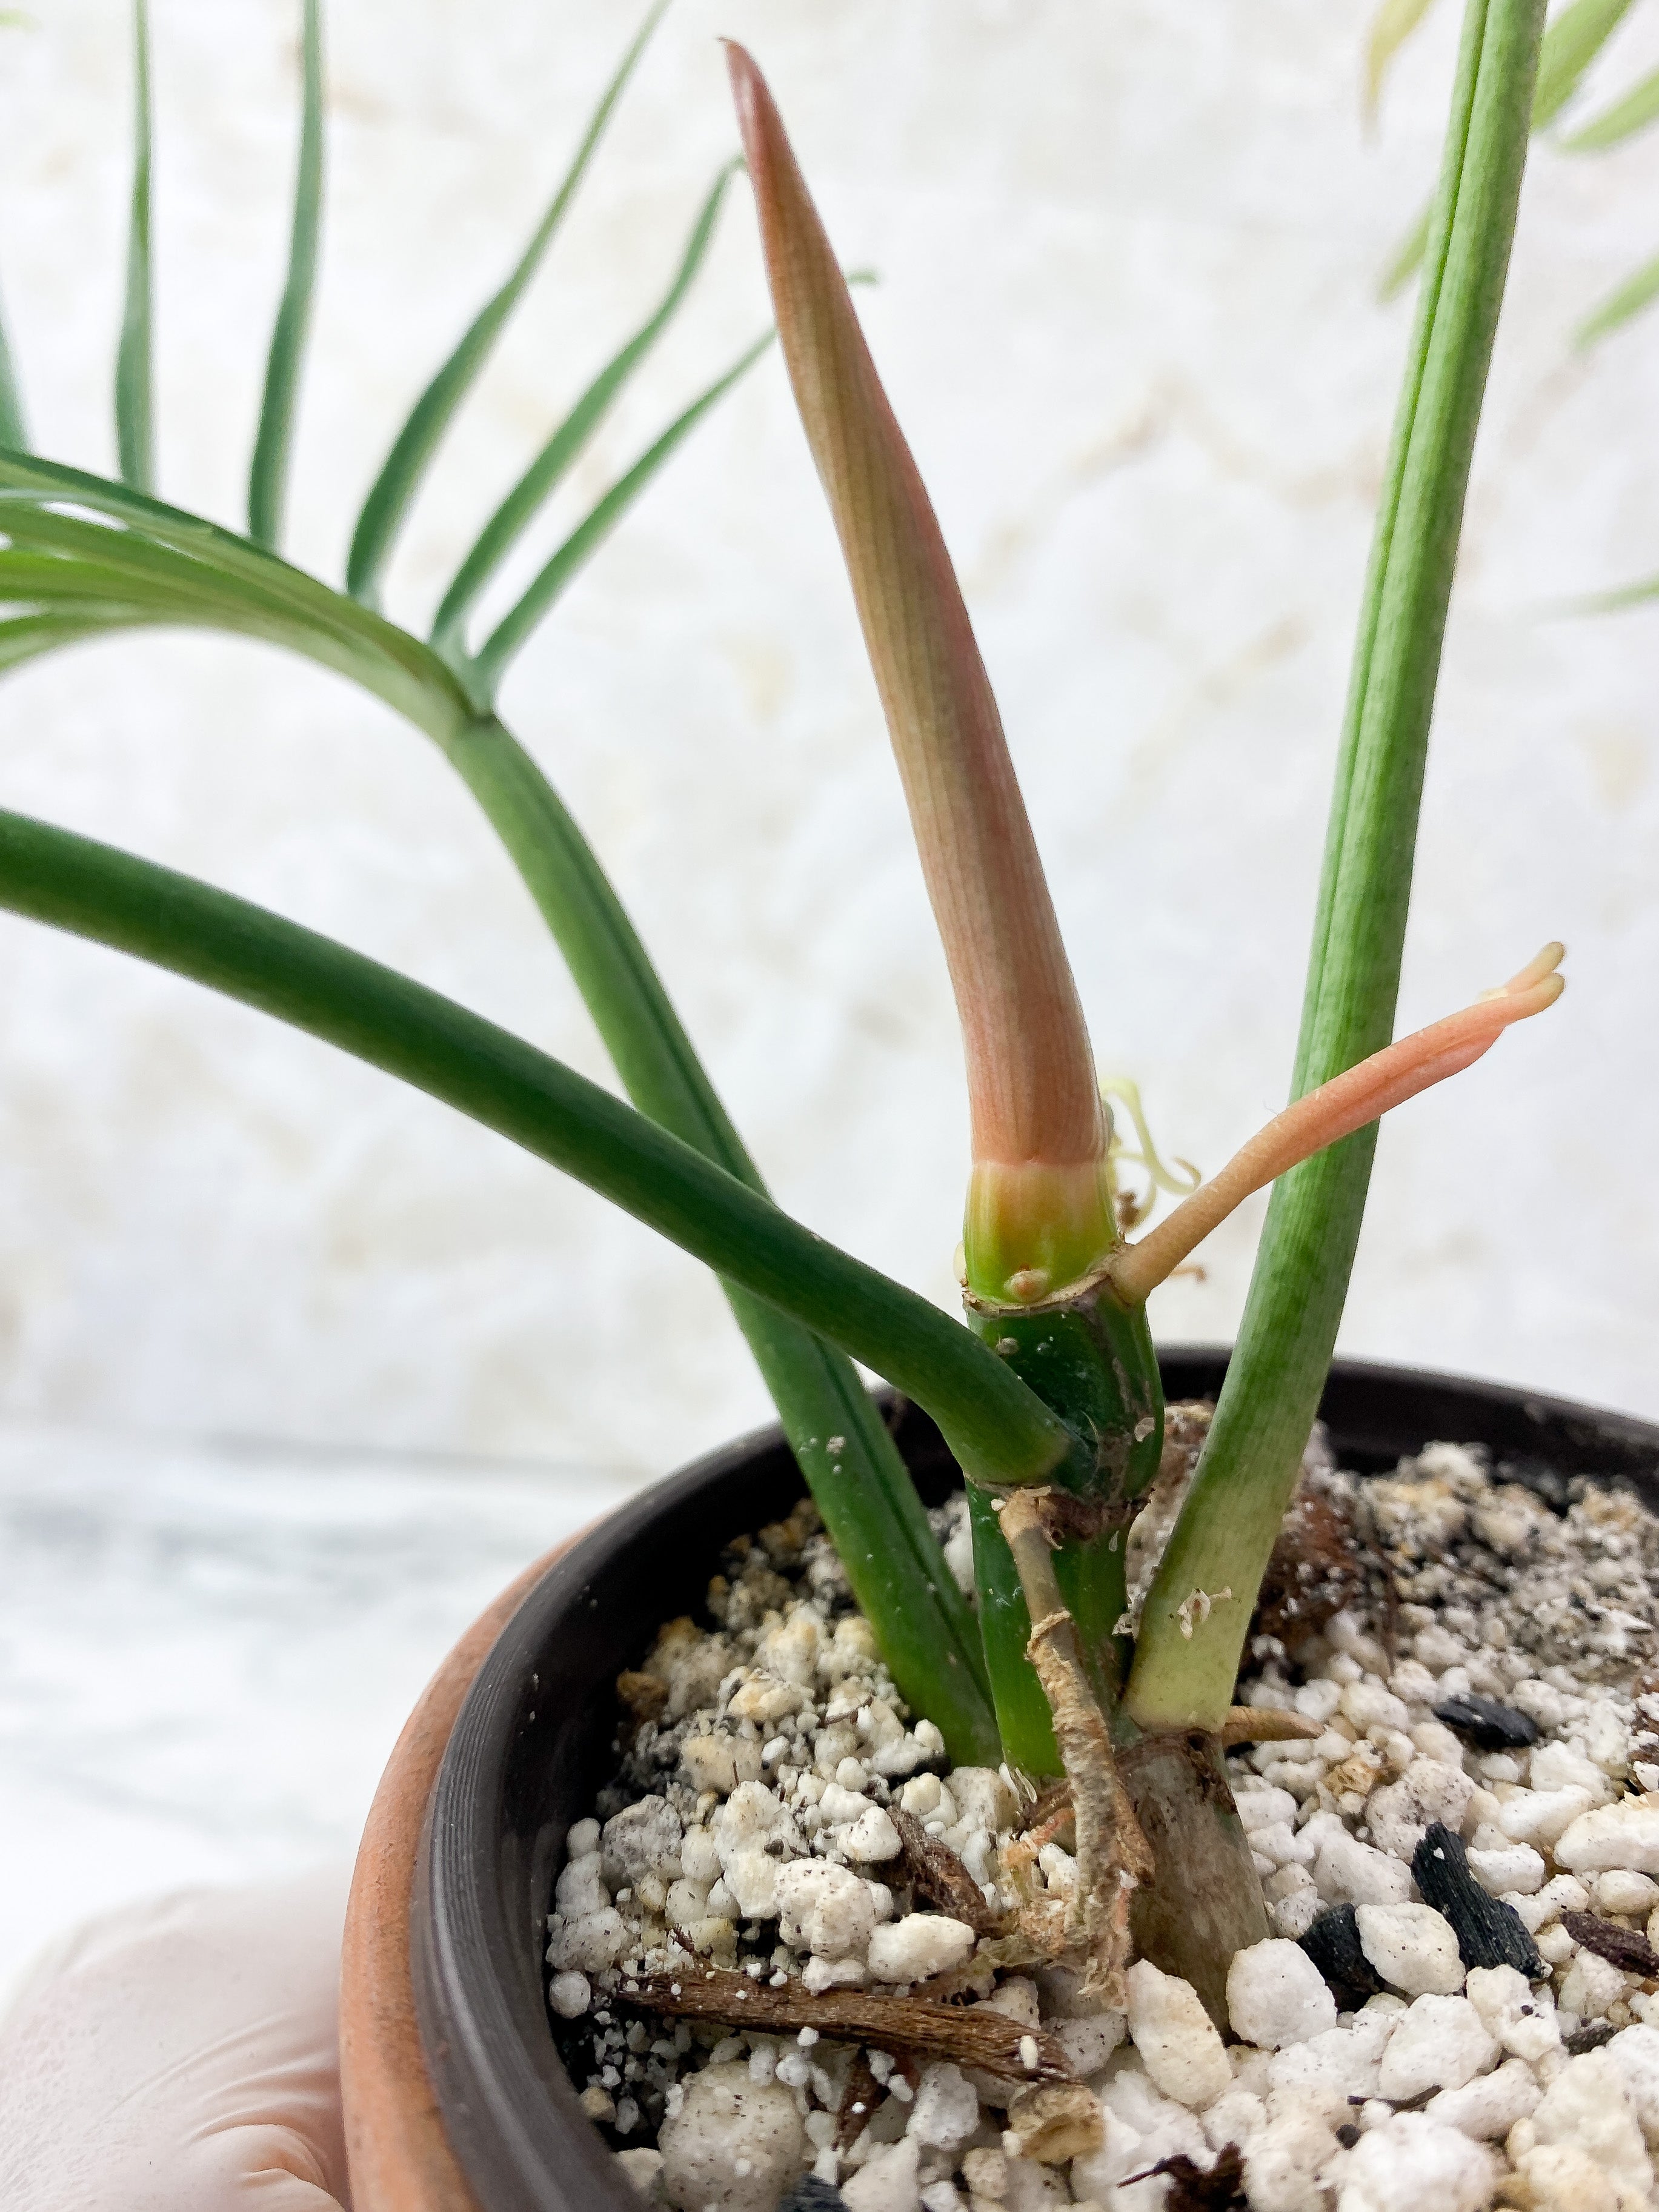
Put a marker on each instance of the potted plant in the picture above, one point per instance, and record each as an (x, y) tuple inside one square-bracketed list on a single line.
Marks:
[(1049, 1402)]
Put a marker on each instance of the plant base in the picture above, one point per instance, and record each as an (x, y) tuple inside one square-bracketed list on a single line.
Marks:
[(1204, 1901)]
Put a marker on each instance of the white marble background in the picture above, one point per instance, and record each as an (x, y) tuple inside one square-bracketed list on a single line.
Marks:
[(1128, 314)]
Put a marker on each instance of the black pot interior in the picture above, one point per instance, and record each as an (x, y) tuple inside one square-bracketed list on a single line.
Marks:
[(533, 1742)]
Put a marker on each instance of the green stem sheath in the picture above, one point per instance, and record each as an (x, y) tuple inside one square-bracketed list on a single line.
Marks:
[(1093, 1362), (1184, 1670), (998, 1431), (870, 1505)]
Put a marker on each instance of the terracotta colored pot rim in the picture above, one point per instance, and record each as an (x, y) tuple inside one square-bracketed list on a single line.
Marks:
[(528, 1708)]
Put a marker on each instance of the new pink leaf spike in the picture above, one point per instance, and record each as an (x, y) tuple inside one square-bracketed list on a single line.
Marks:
[(1039, 1210)]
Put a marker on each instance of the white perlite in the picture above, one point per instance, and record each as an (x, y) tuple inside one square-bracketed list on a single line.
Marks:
[(1175, 2038), (1625, 1836), (1276, 1995), (734, 2143), (1412, 1947), (920, 1944), (1412, 2162), (758, 1814)]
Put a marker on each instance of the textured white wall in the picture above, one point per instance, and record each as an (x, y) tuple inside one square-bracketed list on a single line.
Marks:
[(1127, 317)]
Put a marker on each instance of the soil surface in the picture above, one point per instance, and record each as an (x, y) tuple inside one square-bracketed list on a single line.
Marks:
[(785, 1964)]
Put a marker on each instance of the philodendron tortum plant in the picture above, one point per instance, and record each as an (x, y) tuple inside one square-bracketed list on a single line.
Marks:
[(1050, 1396)]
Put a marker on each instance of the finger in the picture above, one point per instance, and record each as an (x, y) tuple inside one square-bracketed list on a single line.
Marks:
[(182, 2055)]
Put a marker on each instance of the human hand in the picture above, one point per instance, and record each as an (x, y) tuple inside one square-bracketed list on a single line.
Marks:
[(182, 2055)]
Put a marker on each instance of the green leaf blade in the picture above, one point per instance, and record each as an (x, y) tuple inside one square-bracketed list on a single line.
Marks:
[(1637, 109), (278, 600), (1392, 24), (1407, 258), (1570, 44), (14, 430), (393, 490), (135, 406), (510, 520), (1637, 293), (268, 471), (516, 626), (1271, 1395)]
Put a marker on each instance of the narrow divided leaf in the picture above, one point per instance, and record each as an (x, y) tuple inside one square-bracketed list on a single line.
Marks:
[(268, 474), (1623, 119), (997, 1428), (135, 429), (1570, 44), (25, 637), (511, 519), (13, 431), (232, 583), (177, 569), (1408, 258), (393, 490), (1623, 306), (490, 664), (1392, 25), (1615, 602)]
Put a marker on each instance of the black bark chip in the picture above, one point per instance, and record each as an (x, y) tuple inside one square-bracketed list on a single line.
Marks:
[(811, 2195), (1333, 1944), (1622, 1946), (1590, 2037), (1489, 1932), (1486, 1724)]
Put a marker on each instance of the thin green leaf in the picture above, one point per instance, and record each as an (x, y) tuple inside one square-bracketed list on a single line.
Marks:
[(1408, 258), (506, 526), (997, 1428), (1392, 25), (26, 637), (876, 1523), (1570, 44), (1232, 1514), (1615, 602), (493, 658), (1623, 119), (135, 423), (268, 474), (323, 624), (393, 490), (13, 431), (189, 571), (1623, 306)]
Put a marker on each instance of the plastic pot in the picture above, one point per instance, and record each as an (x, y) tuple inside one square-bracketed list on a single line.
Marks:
[(499, 2127)]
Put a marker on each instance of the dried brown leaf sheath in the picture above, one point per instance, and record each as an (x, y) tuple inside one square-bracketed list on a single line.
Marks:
[(967, 2035), (935, 1872)]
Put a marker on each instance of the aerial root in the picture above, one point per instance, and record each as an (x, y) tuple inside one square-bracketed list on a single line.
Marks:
[(1112, 1853)]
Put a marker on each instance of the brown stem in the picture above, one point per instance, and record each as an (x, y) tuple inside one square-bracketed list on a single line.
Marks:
[(1112, 1853), (1204, 1899)]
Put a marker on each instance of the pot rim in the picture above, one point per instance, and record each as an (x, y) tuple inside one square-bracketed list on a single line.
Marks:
[(508, 2109)]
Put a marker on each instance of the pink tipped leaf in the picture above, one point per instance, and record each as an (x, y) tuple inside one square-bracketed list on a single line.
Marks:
[(1039, 1207), (1349, 1102)]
